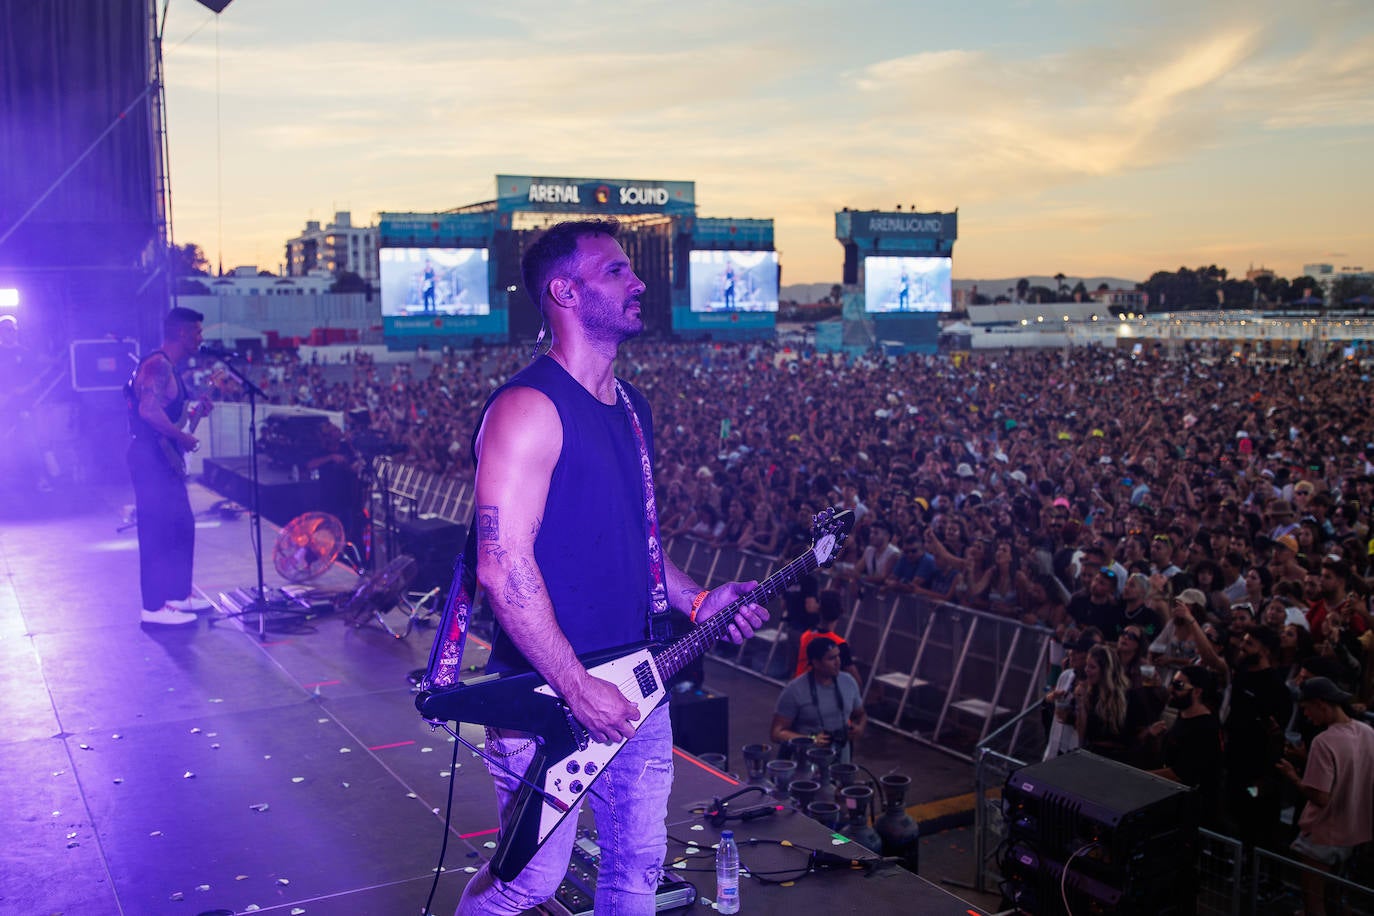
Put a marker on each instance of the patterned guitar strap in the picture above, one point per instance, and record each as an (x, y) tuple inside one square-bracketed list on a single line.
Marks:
[(446, 655), (660, 623)]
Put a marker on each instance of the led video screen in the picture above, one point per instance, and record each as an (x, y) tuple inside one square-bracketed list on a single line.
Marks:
[(734, 281), (434, 281), (907, 284)]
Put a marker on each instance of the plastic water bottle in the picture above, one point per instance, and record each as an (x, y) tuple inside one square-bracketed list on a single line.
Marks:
[(727, 873)]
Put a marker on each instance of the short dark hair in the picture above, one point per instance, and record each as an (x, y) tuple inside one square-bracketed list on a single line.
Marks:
[(553, 252), (1199, 677), (179, 319), (831, 607), (1265, 637), (818, 647), (1339, 568)]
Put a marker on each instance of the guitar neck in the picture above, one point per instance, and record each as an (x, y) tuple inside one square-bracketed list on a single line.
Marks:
[(681, 652)]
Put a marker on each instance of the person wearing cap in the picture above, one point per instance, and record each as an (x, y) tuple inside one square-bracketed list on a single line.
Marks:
[(1283, 562), (1278, 514), (1338, 785), (1096, 603)]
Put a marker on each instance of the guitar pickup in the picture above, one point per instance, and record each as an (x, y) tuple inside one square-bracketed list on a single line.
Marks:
[(644, 677)]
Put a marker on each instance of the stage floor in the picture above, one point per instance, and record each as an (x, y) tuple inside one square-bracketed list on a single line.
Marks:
[(204, 770)]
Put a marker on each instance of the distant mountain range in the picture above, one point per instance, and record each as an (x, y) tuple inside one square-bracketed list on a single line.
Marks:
[(815, 292)]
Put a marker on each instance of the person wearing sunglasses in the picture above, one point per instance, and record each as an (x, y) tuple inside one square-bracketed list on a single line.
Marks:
[(1192, 741)]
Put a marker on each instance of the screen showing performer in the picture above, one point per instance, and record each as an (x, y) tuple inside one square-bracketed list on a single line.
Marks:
[(733, 281), (435, 281), (893, 284)]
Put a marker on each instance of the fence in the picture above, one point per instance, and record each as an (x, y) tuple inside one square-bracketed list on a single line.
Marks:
[(941, 674)]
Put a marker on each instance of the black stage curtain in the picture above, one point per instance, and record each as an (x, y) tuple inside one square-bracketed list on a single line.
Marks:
[(69, 69)]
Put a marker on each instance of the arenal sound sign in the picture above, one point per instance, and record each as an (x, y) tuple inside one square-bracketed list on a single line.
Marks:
[(593, 195)]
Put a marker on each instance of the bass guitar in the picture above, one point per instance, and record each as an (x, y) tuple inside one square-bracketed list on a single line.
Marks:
[(566, 762)]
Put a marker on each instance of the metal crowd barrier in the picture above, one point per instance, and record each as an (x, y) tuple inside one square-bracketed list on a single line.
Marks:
[(936, 672), (416, 492)]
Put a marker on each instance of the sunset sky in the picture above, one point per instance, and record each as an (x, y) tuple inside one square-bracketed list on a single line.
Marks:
[(1094, 138)]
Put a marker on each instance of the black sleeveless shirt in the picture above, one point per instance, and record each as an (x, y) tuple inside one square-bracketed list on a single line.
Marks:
[(138, 427), (592, 546)]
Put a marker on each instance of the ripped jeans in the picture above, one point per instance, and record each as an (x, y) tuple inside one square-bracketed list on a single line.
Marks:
[(630, 805)]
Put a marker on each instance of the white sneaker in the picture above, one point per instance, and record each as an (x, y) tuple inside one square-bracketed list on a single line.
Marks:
[(191, 604), (168, 616)]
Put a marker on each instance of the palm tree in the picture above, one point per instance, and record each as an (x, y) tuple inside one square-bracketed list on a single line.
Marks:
[(1060, 288)]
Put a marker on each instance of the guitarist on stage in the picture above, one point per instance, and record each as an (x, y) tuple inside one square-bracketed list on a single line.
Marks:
[(563, 552), (159, 409)]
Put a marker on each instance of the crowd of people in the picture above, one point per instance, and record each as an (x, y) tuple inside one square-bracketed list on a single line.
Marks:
[(1195, 531)]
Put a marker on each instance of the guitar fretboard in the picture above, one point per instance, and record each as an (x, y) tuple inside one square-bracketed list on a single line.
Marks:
[(681, 652)]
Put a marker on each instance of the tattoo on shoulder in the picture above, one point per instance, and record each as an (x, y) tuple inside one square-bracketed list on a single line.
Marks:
[(153, 379)]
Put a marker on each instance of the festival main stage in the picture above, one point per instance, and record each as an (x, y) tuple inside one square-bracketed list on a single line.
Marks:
[(202, 770)]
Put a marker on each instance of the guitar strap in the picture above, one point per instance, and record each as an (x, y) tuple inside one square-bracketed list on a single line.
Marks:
[(446, 655), (659, 624)]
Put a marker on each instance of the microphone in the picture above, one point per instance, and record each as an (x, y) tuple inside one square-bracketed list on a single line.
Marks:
[(217, 351)]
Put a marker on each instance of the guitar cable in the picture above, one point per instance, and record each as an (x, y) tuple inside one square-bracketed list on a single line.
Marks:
[(816, 860), (448, 808), (448, 819), (553, 801)]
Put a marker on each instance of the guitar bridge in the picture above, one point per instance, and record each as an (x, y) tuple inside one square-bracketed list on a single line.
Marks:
[(579, 733)]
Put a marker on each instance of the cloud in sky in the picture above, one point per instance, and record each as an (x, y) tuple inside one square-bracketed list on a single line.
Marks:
[(1143, 130)]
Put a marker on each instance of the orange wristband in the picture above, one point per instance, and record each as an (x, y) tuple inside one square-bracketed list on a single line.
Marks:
[(696, 603)]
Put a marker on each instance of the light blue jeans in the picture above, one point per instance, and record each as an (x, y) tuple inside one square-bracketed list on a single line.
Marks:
[(630, 805)]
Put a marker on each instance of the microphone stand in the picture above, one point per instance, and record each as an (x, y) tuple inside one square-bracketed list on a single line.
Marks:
[(260, 605)]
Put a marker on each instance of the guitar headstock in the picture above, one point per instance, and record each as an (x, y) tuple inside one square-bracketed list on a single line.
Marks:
[(829, 529)]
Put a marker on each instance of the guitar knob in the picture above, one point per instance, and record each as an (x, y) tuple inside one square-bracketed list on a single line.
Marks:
[(575, 787), (590, 769), (572, 766)]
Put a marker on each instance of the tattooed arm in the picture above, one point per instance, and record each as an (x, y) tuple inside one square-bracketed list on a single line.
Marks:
[(517, 448), (156, 387)]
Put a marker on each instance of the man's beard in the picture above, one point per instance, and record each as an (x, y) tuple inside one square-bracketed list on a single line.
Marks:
[(1180, 702)]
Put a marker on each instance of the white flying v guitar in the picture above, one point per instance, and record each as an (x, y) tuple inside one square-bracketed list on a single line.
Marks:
[(566, 762)]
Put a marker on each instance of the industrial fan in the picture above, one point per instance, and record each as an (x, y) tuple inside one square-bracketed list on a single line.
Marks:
[(385, 590), (308, 546)]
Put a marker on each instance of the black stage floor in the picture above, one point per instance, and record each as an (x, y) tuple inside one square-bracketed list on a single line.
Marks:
[(204, 770)]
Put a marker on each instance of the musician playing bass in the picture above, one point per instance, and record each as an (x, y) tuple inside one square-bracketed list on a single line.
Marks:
[(159, 407), (564, 540)]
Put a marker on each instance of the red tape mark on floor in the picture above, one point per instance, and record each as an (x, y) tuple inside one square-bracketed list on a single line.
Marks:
[(322, 684), (468, 836), (383, 747), (683, 755)]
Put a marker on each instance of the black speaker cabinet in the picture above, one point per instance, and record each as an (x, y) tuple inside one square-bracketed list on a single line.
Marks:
[(701, 721), (434, 543), (1127, 839)]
